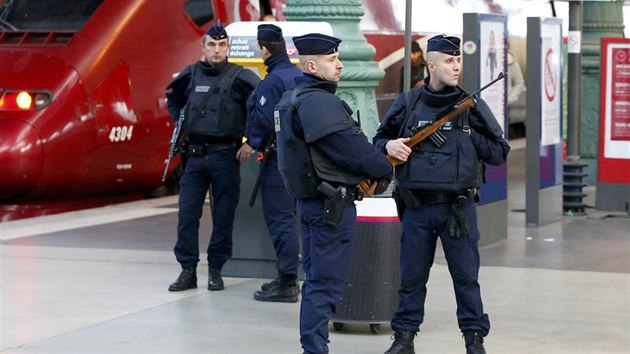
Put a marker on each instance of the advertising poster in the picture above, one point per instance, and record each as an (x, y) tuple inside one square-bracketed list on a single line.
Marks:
[(617, 102), (551, 90), (492, 44)]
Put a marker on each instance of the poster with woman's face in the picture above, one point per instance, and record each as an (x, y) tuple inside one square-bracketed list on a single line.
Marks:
[(492, 62)]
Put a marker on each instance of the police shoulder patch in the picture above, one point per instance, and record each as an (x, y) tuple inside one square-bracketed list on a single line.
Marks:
[(262, 100)]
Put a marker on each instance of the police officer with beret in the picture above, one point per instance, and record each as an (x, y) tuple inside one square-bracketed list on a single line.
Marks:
[(436, 191), (212, 94), (278, 205), (322, 156)]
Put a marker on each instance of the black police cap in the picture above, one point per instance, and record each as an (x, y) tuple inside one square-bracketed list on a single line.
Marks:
[(269, 33), (316, 44), (444, 44), (217, 31)]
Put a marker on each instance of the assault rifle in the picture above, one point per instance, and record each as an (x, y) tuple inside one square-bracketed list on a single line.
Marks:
[(176, 141), (445, 116)]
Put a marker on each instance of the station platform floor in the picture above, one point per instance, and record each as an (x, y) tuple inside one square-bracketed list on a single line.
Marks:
[(95, 281)]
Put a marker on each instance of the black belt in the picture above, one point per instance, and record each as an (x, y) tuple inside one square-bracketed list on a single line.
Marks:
[(436, 198), (205, 149), (349, 194), (353, 194)]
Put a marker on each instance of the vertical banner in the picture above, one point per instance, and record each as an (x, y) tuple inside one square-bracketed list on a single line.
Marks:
[(543, 162), (613, 176), (551, 63), (484, 57), (493, 58)]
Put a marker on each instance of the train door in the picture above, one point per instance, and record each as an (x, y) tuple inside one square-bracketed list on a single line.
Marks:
[(117, 127)]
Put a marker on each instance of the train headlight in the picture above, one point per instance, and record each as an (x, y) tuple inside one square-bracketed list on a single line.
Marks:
[(24, 99)]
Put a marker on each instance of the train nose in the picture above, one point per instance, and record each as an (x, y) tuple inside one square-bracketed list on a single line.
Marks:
[(21, 158)]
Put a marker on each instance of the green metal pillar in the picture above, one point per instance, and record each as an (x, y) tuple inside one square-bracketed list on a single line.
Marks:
[(360, 74), (601, 19)]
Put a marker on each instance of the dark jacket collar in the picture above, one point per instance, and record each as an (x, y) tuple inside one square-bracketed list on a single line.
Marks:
[(212, 69), (312, 81), (441, 98), (277, 61)]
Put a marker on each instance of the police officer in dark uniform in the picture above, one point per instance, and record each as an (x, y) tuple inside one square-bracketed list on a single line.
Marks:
[(278, 205), (212, 94), (322, 156), (436, 187)]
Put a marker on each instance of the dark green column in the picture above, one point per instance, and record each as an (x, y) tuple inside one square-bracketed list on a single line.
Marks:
[(360, 75), (601, 19)]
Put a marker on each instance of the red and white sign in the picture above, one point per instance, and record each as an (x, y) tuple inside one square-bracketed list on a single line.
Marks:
[(614, 134)]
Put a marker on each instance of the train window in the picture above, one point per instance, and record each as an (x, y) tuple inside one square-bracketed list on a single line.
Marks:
[(23, 15), (200, 11)]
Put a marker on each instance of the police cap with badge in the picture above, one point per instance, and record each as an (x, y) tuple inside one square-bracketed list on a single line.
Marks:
[(316, 44), (444, 44), (217, 31)]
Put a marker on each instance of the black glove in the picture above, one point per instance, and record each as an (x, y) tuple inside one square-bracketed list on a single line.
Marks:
[(458, 224)]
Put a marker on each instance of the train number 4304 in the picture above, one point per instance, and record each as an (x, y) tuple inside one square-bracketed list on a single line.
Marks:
[(119, 134)]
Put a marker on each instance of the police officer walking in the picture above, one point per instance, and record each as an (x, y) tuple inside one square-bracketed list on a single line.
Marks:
[(213, 94), (278, 205), (322, 156), (436, 188)]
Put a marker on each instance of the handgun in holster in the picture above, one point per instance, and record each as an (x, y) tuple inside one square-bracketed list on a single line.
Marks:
[(334, 204), (404, 198)]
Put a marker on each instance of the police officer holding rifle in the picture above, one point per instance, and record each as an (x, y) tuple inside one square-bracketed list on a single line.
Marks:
[(436, 192)]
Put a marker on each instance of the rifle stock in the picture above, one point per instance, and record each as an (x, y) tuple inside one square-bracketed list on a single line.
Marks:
[(442, 118)]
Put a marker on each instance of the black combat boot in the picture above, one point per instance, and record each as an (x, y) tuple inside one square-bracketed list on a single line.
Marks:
[(215, 282), (187, 280), (403, 343), (268, 285), (474, 342), (279, 290)]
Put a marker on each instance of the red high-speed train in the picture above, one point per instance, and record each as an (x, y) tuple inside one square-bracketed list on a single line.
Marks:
[(82, 105), (83, 118)]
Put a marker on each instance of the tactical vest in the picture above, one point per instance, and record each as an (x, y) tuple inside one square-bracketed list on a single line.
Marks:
[(302, 165), (221, 116), (294, 158), (451, 167)]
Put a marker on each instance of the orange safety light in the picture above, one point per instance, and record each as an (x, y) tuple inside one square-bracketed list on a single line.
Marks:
[(24, 100)]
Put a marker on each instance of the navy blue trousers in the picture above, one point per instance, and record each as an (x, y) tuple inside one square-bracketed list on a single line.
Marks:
[(279, 212), (326, 261), (218, 172), (421, 229)]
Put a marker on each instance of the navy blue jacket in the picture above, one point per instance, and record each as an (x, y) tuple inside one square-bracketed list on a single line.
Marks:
[(281, 74), (348, 148)]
